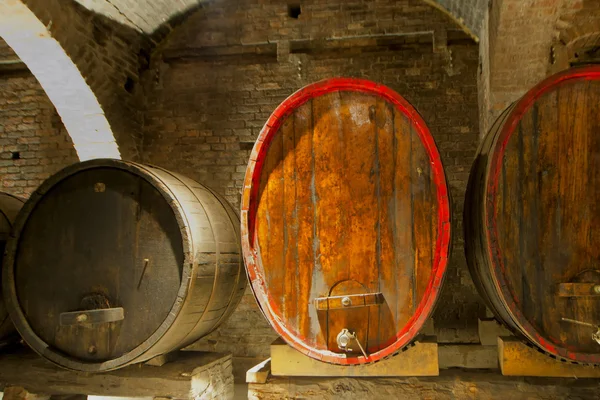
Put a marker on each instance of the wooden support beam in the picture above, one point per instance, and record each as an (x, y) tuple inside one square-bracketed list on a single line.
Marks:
[(518, 359), (19, 393), (259, 373), (192, 375), (418, 360)]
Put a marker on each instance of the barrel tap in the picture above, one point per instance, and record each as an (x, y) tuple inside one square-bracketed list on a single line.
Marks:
[(595, 335)]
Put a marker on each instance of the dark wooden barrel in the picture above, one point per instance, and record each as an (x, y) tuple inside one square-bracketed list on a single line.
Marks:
[(114, 262), (9, 208), (532, 216), (346, 221)]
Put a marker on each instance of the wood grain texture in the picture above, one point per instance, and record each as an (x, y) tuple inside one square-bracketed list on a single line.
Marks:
[(117, 234), (347, 203), (9, 207), (542, 214), (190, 375)]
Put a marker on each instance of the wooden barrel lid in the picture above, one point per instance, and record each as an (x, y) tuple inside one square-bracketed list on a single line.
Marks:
[(539, 215), (346, 221), (104, 234)]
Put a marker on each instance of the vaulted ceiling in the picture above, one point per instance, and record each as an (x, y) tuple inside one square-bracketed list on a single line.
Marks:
[(148, 15)]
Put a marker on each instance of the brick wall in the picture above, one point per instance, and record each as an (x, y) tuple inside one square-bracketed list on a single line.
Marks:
[(33, 141), (222, 72)]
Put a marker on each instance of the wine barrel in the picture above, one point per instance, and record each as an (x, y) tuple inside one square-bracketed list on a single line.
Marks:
[(346, 221), (114, 263), (9, 208), (532, 216)]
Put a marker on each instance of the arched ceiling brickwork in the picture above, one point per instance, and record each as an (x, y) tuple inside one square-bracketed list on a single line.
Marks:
[(60, 78), (149, 15)]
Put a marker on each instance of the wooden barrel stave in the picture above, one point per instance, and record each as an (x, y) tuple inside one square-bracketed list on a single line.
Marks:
[(533, 196), (204, 278), (328, 211), (9, 208)]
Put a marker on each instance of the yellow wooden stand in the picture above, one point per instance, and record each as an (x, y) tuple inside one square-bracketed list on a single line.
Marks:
[(518, 359), (419, 360)]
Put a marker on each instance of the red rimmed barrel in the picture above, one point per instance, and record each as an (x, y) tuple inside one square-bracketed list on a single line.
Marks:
[(532, 216), (112, 263), (346, 221), (9, 208)]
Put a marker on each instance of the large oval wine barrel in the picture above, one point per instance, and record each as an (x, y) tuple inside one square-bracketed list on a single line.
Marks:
[(532, 216), (9, 208), (345, 221), (115, 262)]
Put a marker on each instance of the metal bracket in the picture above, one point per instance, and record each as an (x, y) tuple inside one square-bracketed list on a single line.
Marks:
[(348, 301), (578, 289), (99, 316)]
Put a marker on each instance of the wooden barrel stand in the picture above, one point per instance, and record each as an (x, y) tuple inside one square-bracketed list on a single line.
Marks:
[(190, 375)]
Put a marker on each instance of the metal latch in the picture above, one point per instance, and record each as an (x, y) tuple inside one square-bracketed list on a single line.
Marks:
[(595, 335), (348, 301)]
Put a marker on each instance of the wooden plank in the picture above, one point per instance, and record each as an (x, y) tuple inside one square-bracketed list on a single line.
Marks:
[(382, 323), (308, 322), (549, 202), (19, 393), (403, 289), (518, 359), (290, 225), (192, 374), (271, 209), (583, 193), (489, 330), (259, 373), (356, 239), (161, 360), (424, 211), (331, 196), (419, 360)]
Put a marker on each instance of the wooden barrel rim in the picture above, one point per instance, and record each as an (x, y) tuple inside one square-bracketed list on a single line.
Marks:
[(248, 211), (8, 274), (3, 212), (491, 232)]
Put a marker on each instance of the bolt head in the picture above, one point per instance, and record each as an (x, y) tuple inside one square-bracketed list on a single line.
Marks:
[(82, 318)]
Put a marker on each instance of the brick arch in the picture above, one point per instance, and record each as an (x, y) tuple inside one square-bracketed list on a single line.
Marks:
[(60, 78), (468, 14), (150, 15)]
